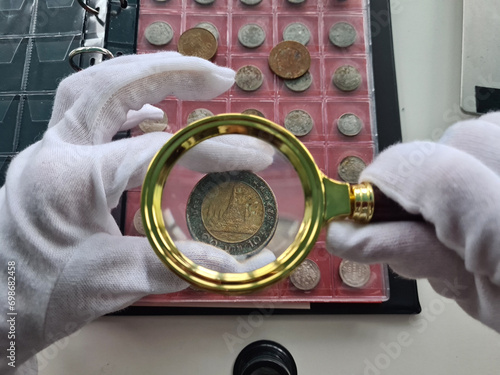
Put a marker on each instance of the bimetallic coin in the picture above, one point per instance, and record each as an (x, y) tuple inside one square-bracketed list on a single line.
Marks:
[(299, 84), (350, 168), (342, 34), (249, 78), (306, 276), (251, 35), (204, 2), (297, 32), (235, 211), (198, 42), (138, 223), (349, 124), (210, 27), (347, 78), (353, 274), (198, 114), (250, 2), (289, 59), (299, 122), (149, 126), (159, 33), (254, 112)]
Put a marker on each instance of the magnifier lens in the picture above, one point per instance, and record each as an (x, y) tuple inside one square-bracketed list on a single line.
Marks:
[(236, 193)]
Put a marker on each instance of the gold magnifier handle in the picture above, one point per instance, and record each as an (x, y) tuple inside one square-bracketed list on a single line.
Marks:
[(362, 203)]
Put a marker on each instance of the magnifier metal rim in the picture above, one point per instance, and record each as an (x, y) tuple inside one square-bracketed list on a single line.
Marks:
[(197, 132)]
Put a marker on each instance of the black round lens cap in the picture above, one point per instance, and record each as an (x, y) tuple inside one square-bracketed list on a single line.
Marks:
[(264, 357)]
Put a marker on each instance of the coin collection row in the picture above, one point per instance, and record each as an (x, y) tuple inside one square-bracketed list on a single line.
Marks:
[(329, 108)]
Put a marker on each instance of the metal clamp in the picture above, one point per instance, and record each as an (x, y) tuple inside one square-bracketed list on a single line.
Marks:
[(80, 50), (95, 11)]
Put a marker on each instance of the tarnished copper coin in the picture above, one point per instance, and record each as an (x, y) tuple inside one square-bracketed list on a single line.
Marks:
[(235, 211), (198, 42), (253, 112), (289, 60)]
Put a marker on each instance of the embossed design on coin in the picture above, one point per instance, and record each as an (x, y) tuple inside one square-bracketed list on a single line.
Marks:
[(198, 114), (210, 27), (299, 122), (138, 223), (159, 33), (289, 59), (349, 124), (347, 78), (235, 211), (251, 2), (197, 42), (251, 35), (350, 168), (342, 34), (306, 276), (205, 2), (254, 112), (297, 32), (249, 78), (149, 126), (354, 274), (299, 84)]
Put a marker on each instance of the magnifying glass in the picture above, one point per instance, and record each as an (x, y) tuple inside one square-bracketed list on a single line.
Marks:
[(277, 204)]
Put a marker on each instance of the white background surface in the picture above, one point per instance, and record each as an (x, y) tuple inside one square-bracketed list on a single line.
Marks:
[(442, 340)]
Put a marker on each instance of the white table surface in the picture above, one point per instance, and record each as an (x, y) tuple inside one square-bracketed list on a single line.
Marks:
[(442, 340)]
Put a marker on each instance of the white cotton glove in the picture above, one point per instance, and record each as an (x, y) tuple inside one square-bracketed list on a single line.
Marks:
[(455, 185), (72, 264)]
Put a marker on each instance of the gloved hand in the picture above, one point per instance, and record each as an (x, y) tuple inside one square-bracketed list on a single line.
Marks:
[(72, 264), (455, 185)]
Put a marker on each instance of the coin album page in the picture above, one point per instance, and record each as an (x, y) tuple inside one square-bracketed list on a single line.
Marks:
[(325, 103)]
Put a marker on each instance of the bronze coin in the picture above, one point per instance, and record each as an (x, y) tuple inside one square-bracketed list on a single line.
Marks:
[(197, 42), (289, 59), (253, 112)]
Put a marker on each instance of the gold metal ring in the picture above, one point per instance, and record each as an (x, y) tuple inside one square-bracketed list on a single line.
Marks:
[(80, 50)]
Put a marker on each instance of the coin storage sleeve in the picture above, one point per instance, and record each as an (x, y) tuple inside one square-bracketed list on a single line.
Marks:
[(323, 101)]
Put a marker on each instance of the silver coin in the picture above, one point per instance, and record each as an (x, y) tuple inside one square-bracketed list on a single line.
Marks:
[(198, 114), (306, 276), (210, 27), (299, 84), (250, 2), (297, 32), (347, 78), (349, 124), (251, 35), (299, 122), (350, 168), (354, 274), (149, 126), (249, 78), (296, 1), (159, 33), (138, 223), (205, 2), (342, 34), (253, 112)]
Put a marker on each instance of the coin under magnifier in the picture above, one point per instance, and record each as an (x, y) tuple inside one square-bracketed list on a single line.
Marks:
[(249, 78), (353, 274), (299, 122), (235, 211), (306, 276), (138, 223), (251, 35), (289, 60), (198, 114), (197, 42), (253, 112), (209, 27), (299, 84), (297, 32), (349, 124), (159, 33), (350, 168), (347, 78), (342, 34)]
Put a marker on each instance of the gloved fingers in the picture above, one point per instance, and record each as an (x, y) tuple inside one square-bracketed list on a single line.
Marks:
[(85, 114), (478, 137), (452, 190), (147, 112)]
